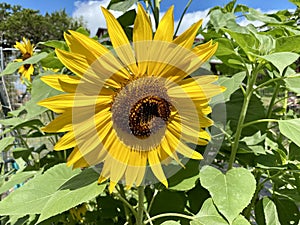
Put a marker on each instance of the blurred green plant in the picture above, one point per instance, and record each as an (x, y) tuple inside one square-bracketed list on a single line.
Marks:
[(255, 178)]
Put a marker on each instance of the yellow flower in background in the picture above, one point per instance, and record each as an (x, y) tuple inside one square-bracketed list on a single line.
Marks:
[(135, 108), (26, 48)]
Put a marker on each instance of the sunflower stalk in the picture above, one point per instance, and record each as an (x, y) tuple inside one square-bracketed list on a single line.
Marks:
[(156, 12), (249, 91), (182, 15), (140, 212)]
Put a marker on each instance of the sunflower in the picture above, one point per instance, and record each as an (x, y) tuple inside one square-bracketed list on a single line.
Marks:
[(134, 110), (26, 48)]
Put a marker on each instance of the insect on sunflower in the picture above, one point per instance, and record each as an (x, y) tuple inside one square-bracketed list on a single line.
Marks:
[(134, 108), (26, 49)]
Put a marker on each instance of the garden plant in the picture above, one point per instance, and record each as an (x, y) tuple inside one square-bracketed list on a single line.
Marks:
[(155, 127)]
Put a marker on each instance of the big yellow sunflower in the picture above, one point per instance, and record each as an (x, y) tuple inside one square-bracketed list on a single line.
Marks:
[(26, 48), (133, 109)]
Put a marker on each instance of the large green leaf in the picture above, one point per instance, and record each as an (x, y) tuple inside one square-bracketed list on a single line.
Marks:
[(43, 195), (82, 189), (231, 83), (255, 15), (232, 192), (271, 217), (208, 215), (290, 129), (6, 143), (288, 44), (256, 111), (281, 59), (40, 91), (240, 220), (292, 83), (219, 19), (185, 179), (15, 179), (121, 5), (13, 66)]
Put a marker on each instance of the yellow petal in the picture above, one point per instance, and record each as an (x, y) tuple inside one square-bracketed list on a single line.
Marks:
[(142, 35), (186, 39), (66, 142), (120, 41), (54, 81), (156, 168), (165, 29), (61, 123), (74, 62)]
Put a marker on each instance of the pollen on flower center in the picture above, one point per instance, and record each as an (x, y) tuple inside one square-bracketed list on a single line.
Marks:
[(140, 112), (143, 117)]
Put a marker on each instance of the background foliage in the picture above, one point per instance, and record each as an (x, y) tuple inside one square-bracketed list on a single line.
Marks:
[(16, 22), (253, 180)]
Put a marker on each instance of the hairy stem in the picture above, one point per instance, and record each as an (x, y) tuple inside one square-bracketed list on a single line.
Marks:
[(247, 97), (140, 212)]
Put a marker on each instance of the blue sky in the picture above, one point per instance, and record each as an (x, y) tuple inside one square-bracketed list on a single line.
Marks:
[(90, 12), (69, 6)]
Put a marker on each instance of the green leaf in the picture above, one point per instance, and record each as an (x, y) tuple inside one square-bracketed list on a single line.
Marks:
[(168, 201), (288, 44), (281, 59), (51, 61), (15, 179), (6, 142), (185, 179), (270, 211), (40, 91), (208, 215), (231, 83), (290, 129), (240, 220), (170, 222), (256, 111), (196, 197), (296, 2), (288, 212), (219, 19), (254, 139), (13, 66), (121, 5), (292, 83), (82, 30), (127, 19), (43, 195), (83, 188), (255, 15), (56, 44), (11, 121), (232, 192)]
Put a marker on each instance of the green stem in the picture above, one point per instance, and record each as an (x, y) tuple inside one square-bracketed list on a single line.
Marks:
[(247, 97), (140, 212), (156, 12), (126, 205), (269, 113), (182, 15), (170, 214), (259, 121), (119, 197)]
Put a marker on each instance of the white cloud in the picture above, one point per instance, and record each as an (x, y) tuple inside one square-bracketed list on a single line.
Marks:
[(191, 18), (91, 13)]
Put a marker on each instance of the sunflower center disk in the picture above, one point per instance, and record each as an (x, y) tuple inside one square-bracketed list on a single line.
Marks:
[(144, 116), (140, 113)]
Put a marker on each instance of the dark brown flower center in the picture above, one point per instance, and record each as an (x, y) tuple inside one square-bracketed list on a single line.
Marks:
[(26, 56), (147, 114)]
